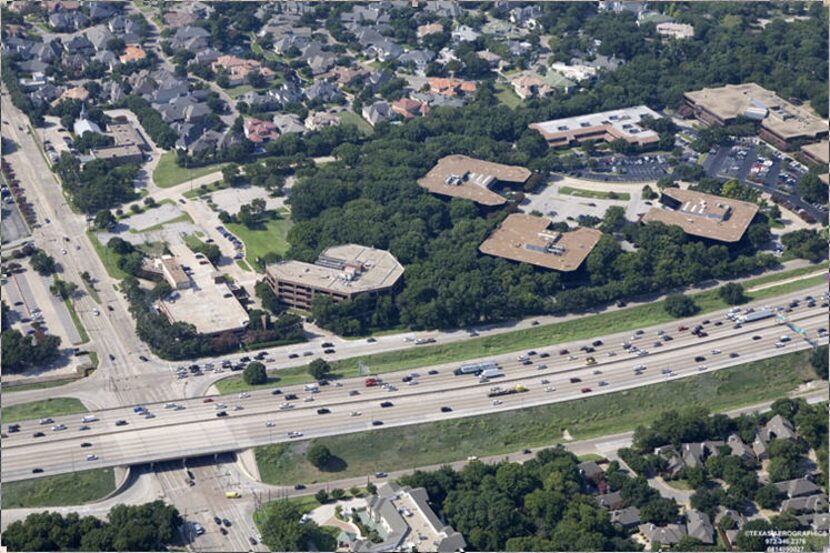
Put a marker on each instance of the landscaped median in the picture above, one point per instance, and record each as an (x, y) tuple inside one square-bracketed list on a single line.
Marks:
[(495, 434), (52, 407), (595, 194), (581, 328), (75, 488)]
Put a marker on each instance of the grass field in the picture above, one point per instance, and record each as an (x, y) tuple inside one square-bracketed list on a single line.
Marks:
[(540, 336), (76, 321), (52, 407), (168, 173), (446, 441), (351, 118), (766, 279), (37, 385), (507, 96), (325, 539), (595, 194), (258, 242), (285, 377), (75, 488)]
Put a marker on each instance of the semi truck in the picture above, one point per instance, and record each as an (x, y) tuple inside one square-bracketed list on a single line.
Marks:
[(475, 368), (758, 315), (490, 373), (497, 391)]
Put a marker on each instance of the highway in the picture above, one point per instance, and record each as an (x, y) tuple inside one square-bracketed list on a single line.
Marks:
[(196, 430)]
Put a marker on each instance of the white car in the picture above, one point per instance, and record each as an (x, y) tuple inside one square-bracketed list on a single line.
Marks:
[(496, 402), (96, 312), (58, 427), (220, 406), (550, 389), (355, 413), (169, 405), (237, 408), (309, 398), (715, 351), (286, 406), (295, 434), (244, 395), (269, 424), (92, 457), (702, 368)]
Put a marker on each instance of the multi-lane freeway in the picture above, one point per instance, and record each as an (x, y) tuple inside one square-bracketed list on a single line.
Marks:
[(196, 429)]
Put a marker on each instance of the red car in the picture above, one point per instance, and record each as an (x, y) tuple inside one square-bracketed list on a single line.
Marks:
[(585, 390), (682, 328), (563, 352), (207, 400)]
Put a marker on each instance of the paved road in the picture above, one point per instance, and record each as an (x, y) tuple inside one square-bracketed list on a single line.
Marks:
[(198, 431)]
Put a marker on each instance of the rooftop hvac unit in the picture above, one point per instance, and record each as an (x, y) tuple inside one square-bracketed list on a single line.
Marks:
[(562, 128), (755, 113), (758, 103), (453, 179)]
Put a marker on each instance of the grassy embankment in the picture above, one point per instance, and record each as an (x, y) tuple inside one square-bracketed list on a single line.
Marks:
[(75, 488)]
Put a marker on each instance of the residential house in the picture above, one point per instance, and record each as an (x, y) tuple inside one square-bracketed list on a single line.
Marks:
[(526, 17), (429, 29), (797, 487), (107, 58), (591, 471), (45, 94), (626, 518), (322, 91), (184, 109), (346, 76), (19, 46), (317, 59), (238, 68), (175, 19), (437, 100), (675, 30), (493, 59), (739, 448), (418, 58), (99, 36), (67, 22), (37, 80), (383, 50), (739, 519), (375, 14), (288, 123), (623, 6), (259, 101), (699, 526), (377, 112), (99, 11), (612, 501), (450, 87), (128, 30), (133, 54), (444, 8), (76, 93), (259, 131), (167, 90), (112, 92), (575, 71), (287, 93), (207, 56), (669, 534), (190, 38), (530, 86), (79, 44), (816, 503), (464, 33), (285, 43), (409, 108), (32, 66), (320, 120), (377, 79), (56, 6), (779, 428), (519, 48)]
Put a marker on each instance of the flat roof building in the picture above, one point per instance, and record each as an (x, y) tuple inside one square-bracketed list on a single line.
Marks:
[(607, 126), (460, 176), (703, 215), (529, 239), (208, 303), (782, 124), (818, 153), (340, 272), (128, 147)]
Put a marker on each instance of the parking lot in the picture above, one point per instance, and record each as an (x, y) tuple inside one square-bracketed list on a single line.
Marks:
[(12, 225), (567, 208), (230, 199), (622, 168)]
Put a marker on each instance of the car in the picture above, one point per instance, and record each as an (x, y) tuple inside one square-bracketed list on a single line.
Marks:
[(252, 541), (602, 383), (222, 414), (308, 399), (563, 352), (244, 395), (143, 358), (585, 390), (699, 358), (354, 393), (682, 328), (575, 380), (526, 452), (446, 409), (299, 487), (329, 351), (544, 355), (323, 411), (734, 354), (496, 402), (269, 424), (380, 474), (550, 389), (86, 444), (377, 423), (371, 340), (14, 428), (83, 427), (308, 353), (385, 404), (38, 435), (207, 400), (37, 470), (46, 421), (702, 368), (92, 457), (290, 397), (220, 406), (531, 352), (756, 338), (295, 434), (715, 352), (293, 355), (237, 408), (596, 343), (120, 422), (541, 366), (327, 345), (226, 522), (433, 372), (223, 531)]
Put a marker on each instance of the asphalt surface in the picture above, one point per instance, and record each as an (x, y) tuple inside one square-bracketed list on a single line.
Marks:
[(197, 431)]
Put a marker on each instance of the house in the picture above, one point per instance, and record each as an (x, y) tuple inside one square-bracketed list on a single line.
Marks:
[(383, 50), (320, 120), (322, 91), (21, 46), (126, 29), (32, 67), (621, 7), (102, 10), (285, 43), (519, 49), (429, 29), (779, 428), (739, 448), (75, 64), (526, 17), (67, 22), (45, 94), (288, 123), (611, 501), (345, 76), (79, 44), (419, 58), (530, 86), (366, 14), (77, 93), (107, 58), (83, 126), (184, 109), (628, 517), (238, 68), (465, 33), (99, 37), (168, 90), (287, 93), (176, 19), (669, 534), (444, 8), (112, 92), (591, 470), (207, 56), (377, 112), (574, 71), (816, 503), (493, 59), (260, 101), (437, 100), (259, 131), (190, 38), (133, 53), (675, 30), (699, 526), (409, 108), (797, 487), (450, 87)]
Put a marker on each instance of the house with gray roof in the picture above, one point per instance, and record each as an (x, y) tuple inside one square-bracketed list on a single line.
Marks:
[(377, 112), (284, 43), (699, 526), (806, 504), (79, 44), (32, 66), (611, 501), (419, 58), (779, 428), (627, 518), (437, 100), (383, 50), (739, 448), (591, 470), (443, 8), (99, 36), (67, 22), (16, 45), (46, 51), (669, 534), (190, 38), (322, 91), (465, 33), (46, 94), (185, 109), (797, 487), (107, 58), (103, 10), (288, 123), (207, 56)]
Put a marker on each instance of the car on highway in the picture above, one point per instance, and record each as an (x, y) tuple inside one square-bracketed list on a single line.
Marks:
[(83, 427), (286, 406), (575, 379), (496, 402), (380, 474), (602, 383), (207, 400), (295, 434), (276, 392), (377, 423), (323, 411), (702, 368), (14, 428), (385, 404), (46, 421), (222, 414), (433, 372), (290, 397), (252, 541), (226, 522), (371, 340), (86, 444), (329, 351), (355, 414), (715, 352), (446, 409), (544, 355), (58, 427), (269, 424), (38, 435), (299, 487), (354, 393), (585, 390), (293, 355), (308, 399), (92, 457), (308, 353), (244, 395), (37, 470), (756, 338), (563, 351), (217, 520), (541, 366), (699, 358), (734, 354)]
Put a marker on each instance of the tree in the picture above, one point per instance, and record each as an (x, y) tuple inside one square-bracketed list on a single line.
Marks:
[(613, 218), (678, 305), (754, 536), (231, 175), (255, 373), (256, 79), (338, 493), (43, 263), (648, 193), (812, 189), (319, 369), (282, 529), (659, 511), (322, 496), (768, 497), (63, 289), (319, 455), (104, 220), (732, 293), (371, 488), (819, 361)]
